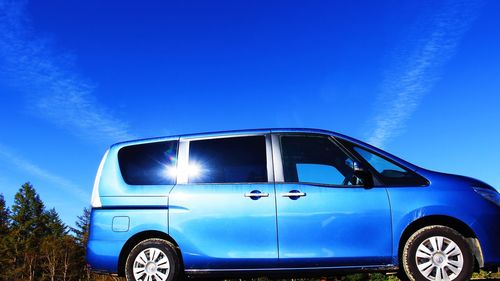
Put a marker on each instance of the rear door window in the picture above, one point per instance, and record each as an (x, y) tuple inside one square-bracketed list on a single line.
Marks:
[(228, 160)]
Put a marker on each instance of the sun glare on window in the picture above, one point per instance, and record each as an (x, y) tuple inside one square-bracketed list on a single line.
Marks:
[(193, 170)]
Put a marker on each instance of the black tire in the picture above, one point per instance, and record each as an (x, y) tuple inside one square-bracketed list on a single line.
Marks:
[(409, 259), (167, 250)]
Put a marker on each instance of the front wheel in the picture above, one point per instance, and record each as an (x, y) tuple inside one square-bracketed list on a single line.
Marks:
[(152, 260), (437, 253)]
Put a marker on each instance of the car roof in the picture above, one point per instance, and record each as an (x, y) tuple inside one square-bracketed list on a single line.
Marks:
[(234, 132)]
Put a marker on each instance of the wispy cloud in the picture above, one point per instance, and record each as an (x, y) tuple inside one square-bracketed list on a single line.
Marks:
[(31, 65), (9, 156), (417, 65)]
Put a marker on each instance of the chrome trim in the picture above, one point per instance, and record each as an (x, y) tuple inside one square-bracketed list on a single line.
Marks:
[(138, 195), (249, 194), (237, 135), (293, 194), (278, 165)]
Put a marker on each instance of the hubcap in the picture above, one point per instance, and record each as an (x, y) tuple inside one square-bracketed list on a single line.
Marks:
[(151, 265), (439, 259)]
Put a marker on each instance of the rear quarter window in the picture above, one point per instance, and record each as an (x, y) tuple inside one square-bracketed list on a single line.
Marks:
[(148, 164)]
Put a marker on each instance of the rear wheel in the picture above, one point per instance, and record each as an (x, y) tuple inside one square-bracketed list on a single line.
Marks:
[(152, 260), (437, 253)]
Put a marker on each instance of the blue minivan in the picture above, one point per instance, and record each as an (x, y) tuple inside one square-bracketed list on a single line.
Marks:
[(284, 201)]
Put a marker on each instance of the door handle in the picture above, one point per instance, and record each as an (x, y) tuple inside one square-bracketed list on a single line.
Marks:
[(256, 194), (293, 193)]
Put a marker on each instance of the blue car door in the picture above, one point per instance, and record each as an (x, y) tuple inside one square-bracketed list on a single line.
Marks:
[(222, 212), (324, 218)]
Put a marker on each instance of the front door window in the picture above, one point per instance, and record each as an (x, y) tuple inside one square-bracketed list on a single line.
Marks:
[(315, 159)]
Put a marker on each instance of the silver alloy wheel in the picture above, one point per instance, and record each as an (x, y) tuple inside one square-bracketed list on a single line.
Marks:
[(151, 265), (439, 259)]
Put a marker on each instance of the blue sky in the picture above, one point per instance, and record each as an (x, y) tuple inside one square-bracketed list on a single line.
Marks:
[(420, 79)]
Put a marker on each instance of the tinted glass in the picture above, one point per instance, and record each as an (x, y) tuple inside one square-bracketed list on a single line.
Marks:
[(390, 172), (148, 164), (315, 160), (228, 160)]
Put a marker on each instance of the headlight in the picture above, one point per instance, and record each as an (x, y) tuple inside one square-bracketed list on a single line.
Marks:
[(489, 194)]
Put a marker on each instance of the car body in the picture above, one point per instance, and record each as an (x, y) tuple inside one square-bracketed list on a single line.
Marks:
[(279, 201)]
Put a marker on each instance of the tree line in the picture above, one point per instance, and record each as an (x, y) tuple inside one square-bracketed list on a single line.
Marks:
[(36, 245)]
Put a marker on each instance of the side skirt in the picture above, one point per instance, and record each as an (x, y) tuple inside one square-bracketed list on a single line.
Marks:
[(286, 272)]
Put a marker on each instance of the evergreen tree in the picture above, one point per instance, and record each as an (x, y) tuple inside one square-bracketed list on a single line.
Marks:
[(81, 237), (55, 225), (29, 224), (82, 228), (6, 260), (28, 212), (53, 250), (4, 217)]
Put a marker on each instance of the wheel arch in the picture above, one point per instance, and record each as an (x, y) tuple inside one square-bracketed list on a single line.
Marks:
[(454, 223), (136, 239)]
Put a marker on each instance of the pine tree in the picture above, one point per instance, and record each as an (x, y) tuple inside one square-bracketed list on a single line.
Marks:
[(5, 241), (53, 250), (55, 225), (81, 237), (4, 217), (28, 212), (29, 224), (82, 228)]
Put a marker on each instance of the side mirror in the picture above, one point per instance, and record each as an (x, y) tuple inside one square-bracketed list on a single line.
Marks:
[(362, 174)]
